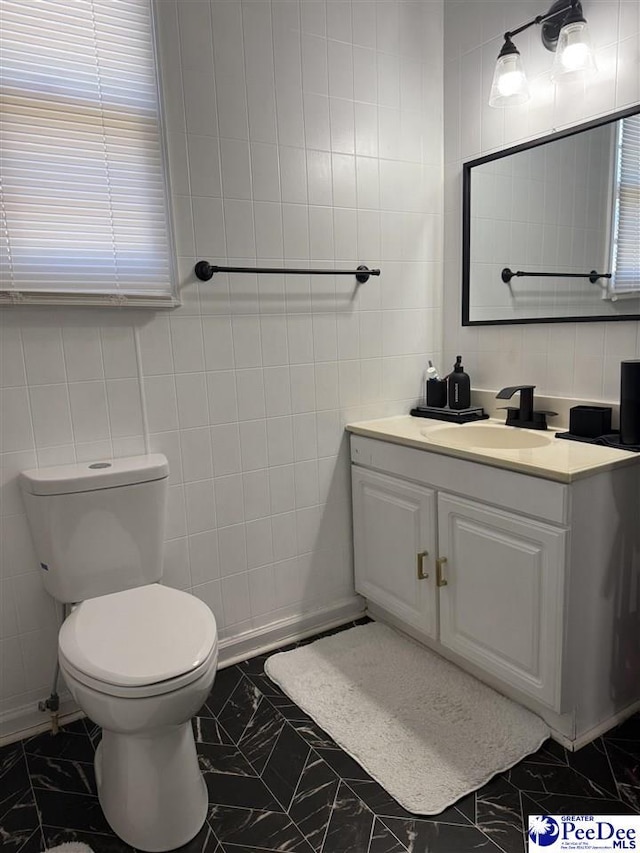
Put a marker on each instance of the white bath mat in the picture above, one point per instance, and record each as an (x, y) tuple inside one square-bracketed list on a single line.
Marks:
[(70, 847), (428, 732)]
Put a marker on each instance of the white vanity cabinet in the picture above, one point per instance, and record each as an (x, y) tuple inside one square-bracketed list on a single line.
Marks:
[(501, 605), (492, 580), (513, 577), (394, 531)]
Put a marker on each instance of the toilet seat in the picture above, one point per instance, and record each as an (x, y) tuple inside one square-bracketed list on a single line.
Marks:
[(145, 691), (140, 642)]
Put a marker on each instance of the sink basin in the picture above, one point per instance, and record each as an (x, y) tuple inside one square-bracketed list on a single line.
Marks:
[(487, 437)]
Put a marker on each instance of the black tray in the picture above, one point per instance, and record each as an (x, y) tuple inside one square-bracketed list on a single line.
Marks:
[(610, 440), (454, 416)]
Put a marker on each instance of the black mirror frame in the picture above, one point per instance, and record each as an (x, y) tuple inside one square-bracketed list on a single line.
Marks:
[(466, 221)]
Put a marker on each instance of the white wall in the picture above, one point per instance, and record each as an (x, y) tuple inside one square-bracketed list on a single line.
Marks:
[(300, 131), (571, 360)]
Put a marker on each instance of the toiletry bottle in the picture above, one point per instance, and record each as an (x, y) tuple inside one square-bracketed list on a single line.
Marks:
[(432, 372), (459, 387), (436, 388)]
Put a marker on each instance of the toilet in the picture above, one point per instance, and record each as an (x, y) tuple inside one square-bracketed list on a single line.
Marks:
[(139, 658)]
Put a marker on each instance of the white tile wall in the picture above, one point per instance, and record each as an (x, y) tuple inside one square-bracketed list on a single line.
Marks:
[(550, 357), (301, 132)]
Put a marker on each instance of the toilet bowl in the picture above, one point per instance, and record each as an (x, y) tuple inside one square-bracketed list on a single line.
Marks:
[(139, 658), (140, 663)]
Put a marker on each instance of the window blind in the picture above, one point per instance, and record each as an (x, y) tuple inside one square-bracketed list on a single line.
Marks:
[(626, 231), (84, 205)]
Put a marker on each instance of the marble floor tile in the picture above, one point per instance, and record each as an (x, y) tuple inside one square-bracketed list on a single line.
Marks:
[(343, 764), (99, 842), (435, 837), (553, 779), (72, 743), (350, 825), (285, 765), (626, 771), (20, 824), (314, 800), (239, 708), (499, 815), (60, 774), (247, 792), (261, 734), (14, 777), (226, 682), (71, 811), (257, 829), (383, 840), (541, 803), (313, 734), (594, 763), (209, 730), (629, 730), (277, 782)]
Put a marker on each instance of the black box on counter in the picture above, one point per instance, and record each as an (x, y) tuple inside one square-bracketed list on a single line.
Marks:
[(590, 421)]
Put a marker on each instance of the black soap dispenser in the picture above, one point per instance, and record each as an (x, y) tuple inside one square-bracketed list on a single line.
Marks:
[(459, 387)]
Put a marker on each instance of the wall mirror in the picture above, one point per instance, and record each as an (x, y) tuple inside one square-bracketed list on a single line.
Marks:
[(551, 228)]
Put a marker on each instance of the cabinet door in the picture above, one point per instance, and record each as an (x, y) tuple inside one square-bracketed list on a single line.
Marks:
[(394, 525), (501, 607)]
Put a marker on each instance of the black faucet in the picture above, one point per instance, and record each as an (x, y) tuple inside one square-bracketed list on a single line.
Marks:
[(525, 416)]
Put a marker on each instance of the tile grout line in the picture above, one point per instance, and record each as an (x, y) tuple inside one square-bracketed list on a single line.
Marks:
[(257, 708), (373, 824), (522, 827), (331, 813), (388, 828), (33, 794), (295, 790), (229, 697), (525, 829), (613, 775)]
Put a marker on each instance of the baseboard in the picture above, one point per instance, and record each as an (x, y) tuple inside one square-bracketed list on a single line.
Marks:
[(254, 643), (27, 721), (605, 726)]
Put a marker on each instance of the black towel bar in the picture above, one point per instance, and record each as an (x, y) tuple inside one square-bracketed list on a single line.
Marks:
[(593, 276), (204, 271)]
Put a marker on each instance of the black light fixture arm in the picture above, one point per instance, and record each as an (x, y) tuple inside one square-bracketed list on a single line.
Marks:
[(204, 271), (593, 276), (568, 6)]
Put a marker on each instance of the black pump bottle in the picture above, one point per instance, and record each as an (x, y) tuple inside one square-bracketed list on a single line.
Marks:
[(459, 387)]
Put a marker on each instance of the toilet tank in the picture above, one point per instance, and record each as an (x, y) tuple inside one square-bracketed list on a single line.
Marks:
[(97, 527)]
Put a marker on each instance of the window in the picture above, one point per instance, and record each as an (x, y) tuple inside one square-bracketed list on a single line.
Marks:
[(84, 214), (625, 242)]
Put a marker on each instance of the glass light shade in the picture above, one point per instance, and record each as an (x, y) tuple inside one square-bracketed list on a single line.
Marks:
[(574, 59), (510, 86)]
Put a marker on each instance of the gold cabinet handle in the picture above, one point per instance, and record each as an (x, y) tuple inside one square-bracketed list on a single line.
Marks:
[(440, 580), (420, 558)]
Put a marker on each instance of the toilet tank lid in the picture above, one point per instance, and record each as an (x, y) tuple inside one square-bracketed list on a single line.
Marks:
[(91, 476)]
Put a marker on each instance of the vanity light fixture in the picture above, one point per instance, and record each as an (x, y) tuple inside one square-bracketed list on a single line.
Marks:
[(509, 86), (564, 31), (574, 59)]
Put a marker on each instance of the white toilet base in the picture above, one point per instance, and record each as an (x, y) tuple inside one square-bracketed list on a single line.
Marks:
[(150, 787)]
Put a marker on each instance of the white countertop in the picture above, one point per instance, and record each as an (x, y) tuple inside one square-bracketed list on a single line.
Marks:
[(560, 460)]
